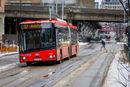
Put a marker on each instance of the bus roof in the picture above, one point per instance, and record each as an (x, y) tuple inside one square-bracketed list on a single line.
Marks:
[(53, 20)]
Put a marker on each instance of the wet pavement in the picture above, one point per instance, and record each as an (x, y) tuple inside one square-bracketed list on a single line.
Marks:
[(91, 74), (9, 59), (48, 75)]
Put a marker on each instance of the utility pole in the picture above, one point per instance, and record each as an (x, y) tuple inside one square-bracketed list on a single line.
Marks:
[(56, 7), (50, 12), (20, 11), (129, 5), (124, 13), (52, 9), (63, 2), (19, 15)]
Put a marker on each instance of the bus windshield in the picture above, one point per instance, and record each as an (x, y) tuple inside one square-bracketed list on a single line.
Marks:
[(41, 37)]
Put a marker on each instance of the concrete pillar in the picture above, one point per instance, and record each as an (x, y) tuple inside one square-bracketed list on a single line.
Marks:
[(86, 3), (1, 26)]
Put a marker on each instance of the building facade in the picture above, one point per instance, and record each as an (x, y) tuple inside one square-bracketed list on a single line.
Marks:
[(111, 4), (2, 16)]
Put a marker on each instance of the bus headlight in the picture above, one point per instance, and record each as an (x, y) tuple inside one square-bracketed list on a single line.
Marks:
[(24, 58), (52, 56)]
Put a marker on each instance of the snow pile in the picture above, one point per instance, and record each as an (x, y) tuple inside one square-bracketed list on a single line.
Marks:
[(119, 72), (81, 43)]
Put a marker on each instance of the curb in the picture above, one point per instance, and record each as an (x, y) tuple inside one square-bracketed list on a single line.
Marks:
[(7, 54)]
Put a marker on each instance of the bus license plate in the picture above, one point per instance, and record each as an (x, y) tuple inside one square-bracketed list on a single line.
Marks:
[(37, 59)]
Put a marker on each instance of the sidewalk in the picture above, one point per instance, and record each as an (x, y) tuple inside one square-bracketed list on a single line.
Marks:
[(119, 72), (8, 60), (7, 54)]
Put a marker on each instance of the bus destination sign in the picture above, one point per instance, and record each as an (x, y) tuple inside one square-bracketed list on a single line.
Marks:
[(31, 26)]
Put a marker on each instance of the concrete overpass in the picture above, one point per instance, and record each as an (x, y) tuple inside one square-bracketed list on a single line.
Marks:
[(71, 13)]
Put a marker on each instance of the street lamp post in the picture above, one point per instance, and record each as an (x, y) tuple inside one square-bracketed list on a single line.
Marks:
[(20, 11), (63, 2), (50, 12), (20, 19), (124, 13), (56, 7)]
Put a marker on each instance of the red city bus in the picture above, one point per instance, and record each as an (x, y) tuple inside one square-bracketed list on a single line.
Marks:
[(47, 40)]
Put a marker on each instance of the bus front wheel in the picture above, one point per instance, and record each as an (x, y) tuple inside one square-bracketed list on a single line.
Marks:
[(28, 63)]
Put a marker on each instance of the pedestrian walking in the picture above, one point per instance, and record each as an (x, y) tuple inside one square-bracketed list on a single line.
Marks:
[(103, 45)]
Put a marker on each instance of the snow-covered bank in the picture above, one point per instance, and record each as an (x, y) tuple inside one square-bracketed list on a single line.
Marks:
[(119, 72), (81, 43)]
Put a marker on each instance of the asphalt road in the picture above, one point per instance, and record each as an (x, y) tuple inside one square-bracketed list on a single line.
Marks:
[(48, 75), (91, 73)]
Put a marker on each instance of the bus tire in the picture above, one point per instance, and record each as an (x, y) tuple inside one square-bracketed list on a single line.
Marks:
[(59, 61), (75, 55), (28, 63)]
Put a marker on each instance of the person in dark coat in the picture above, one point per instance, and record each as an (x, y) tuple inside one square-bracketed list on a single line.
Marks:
[(103, 45)]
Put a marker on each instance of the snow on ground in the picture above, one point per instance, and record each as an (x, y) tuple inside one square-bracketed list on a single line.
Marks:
[(119, 72), (82, 43), (121, 43)]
